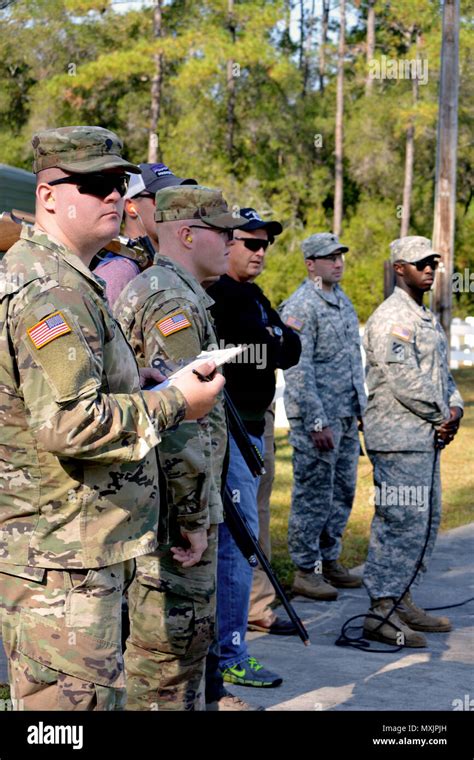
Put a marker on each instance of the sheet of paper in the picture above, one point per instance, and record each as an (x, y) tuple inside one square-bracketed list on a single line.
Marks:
[(219, 356)]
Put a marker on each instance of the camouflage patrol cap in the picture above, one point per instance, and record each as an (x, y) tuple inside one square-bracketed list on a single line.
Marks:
[(322, 244), (412, 249), (195, 202), (80, 150)]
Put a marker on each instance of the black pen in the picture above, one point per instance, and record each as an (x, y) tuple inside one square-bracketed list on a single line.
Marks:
[(204, 378)]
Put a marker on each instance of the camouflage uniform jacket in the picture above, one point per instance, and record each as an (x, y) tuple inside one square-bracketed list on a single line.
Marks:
[(408, 378), (78, 472), (328, 381), (191, 457)]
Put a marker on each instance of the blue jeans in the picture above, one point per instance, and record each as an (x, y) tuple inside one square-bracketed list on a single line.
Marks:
[(234, 574)]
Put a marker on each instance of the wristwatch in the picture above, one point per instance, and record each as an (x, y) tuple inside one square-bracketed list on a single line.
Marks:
[(277, 331)]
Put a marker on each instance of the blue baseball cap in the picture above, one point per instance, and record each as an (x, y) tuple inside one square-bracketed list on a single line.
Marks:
[(255, 222), (154, 177)]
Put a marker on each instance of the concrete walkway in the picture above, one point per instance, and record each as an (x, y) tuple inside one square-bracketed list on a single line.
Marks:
[(326, 677)]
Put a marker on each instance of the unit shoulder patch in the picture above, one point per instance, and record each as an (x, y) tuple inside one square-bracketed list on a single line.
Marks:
[(48, 329), (396, 351), (173, 323)]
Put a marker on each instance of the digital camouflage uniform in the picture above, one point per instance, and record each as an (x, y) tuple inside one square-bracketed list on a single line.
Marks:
[(78, 475), (325, 388), (410, 392), (172, 609)]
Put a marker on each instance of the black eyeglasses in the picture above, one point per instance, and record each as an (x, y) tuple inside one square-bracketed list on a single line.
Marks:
[(254, 244), (228, 231), (100, 185), (423, 263)]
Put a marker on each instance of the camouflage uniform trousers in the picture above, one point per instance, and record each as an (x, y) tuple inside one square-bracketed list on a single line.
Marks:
[(323, 492), (62, 638), (172, 622), (402, 493)]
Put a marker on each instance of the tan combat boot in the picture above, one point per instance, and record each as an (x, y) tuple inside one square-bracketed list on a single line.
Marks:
[(314, 586), (339, 576), (387, 634), (230, 703), (419, 620)]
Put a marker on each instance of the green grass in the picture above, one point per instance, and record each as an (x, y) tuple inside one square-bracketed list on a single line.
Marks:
[(456, 473)]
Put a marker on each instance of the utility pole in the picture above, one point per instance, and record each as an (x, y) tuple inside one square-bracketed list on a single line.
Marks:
[(338, 187), (155, 92), (446, 152), (410, 143)]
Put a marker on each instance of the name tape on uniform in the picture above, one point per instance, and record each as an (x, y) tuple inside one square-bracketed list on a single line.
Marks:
[(48, 329)]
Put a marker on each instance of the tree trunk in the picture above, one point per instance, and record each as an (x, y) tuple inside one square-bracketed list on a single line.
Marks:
[(322, 48), (370, 43), (155, 92), (302, 36), (338, 189), (409, 155), (307, 52), (231, 87), (445, 187)]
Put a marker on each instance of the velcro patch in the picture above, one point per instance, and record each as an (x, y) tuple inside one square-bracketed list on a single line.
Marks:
[(173, 323), (48, 329), (396, 351), (404, 333), (295, 323)]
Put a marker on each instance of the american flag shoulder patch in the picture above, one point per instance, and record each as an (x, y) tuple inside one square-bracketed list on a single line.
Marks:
[(48, 329), (173, 323), (295, 323), (404, 333)]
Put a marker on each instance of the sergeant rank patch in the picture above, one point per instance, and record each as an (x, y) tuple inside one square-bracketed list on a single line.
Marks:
[(173, 323), (48, 329), (295, 323)]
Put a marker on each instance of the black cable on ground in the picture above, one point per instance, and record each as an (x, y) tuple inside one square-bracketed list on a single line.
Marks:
[(360, 642)]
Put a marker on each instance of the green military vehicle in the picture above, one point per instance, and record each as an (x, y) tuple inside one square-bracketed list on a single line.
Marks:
[(17, 189), (17, 203)]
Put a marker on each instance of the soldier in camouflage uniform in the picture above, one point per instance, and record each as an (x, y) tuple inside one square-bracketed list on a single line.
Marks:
[(118, 267), (324, 396), (165, 315), (413, 403), (78, 474)]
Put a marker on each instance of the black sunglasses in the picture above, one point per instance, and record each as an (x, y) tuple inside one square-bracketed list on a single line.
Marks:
[(423, 263), (228, 231), (100, 185), (145, 195), (254, 244)]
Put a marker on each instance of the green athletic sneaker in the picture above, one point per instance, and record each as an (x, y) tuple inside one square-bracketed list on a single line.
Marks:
[(251, 673)]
